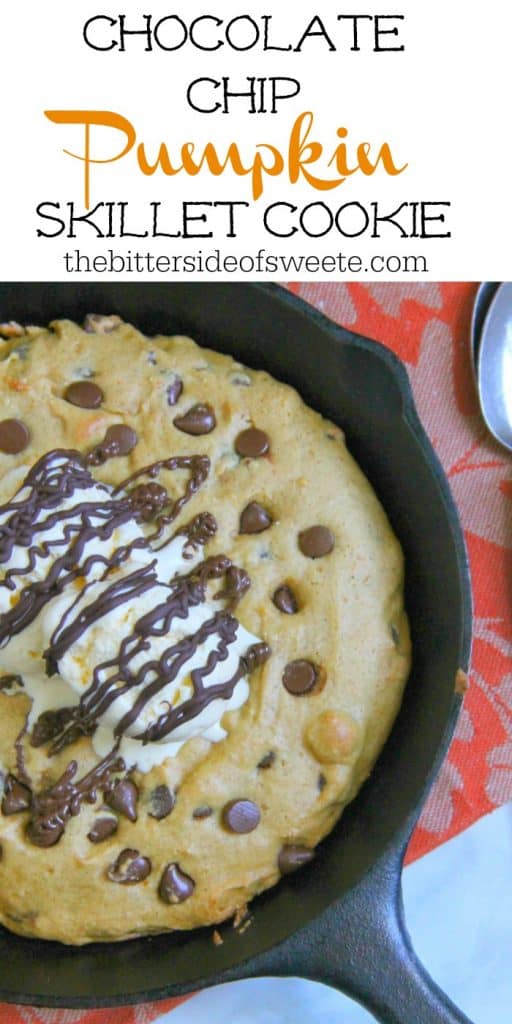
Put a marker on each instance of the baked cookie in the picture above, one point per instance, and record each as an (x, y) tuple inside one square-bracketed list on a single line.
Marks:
[(203, 643)]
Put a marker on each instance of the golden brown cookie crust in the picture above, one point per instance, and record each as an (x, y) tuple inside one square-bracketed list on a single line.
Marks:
[(299, 757)]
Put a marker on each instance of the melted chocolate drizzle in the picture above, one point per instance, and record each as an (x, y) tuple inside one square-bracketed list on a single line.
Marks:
[(56, 477), (62, 475), (198, 532), (52, 809), (59, 478), (198, 466), (123, 590), (49, 725), (114, 678), (236, 583), (20, 757)]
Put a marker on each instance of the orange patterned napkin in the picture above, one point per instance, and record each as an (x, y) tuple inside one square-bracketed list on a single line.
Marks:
[(144, 1013), (427, 325)]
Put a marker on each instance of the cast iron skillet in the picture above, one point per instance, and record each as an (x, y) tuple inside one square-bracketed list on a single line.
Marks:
[(339, 920)]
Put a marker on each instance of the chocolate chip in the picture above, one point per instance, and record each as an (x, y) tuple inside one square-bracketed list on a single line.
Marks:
[(121, 438), (252, 443), (256, 656), (129, 868), (316, 541), (299, 677), (321, 782), (162, 802), (17, 797), (293, 857), (236, 583), (102, 829), (84, 394), (205, 811), (241, 816), (45, 833), (175, 886), (14, 436), (285, 600), (49, 725), (267, 761), (254, 519), (123, 798), (174, 390), (199, 419)]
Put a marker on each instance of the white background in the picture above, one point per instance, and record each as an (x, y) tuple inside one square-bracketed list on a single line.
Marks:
[(440, 104)]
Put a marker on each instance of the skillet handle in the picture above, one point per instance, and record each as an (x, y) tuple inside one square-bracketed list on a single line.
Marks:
[(361, 946)]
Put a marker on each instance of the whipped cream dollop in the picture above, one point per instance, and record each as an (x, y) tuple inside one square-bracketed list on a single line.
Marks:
[(117, 631)]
